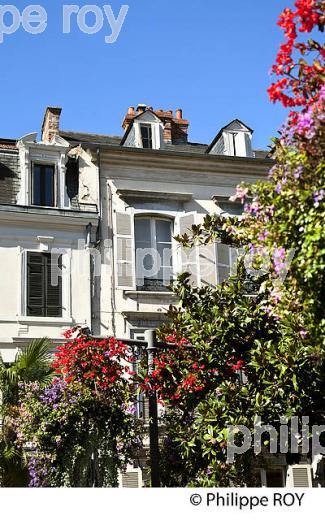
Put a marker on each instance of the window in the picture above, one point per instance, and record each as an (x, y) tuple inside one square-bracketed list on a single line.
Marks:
[(43, 185), (146, 136), (226, 261), (142, 402), (153, 245), (231, 208), (228, 207), (43, 298), (273, 477)]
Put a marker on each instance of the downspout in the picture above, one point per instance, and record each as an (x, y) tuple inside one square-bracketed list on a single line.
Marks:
[(93, 292), (100, 200), (112, 256)]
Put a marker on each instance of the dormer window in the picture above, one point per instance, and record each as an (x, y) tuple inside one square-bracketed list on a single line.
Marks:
[(146, 136), (43, 172), (234, 139), (43, 185)]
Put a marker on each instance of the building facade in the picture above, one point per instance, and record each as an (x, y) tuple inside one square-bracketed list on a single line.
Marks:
[(87, 227), (155, 184), (46, 228)]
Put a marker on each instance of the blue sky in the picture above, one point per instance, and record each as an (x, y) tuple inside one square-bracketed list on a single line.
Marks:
[(211, 58)]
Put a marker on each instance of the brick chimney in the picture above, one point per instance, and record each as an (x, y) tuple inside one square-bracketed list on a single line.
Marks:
[(51, 123), (175, 127)]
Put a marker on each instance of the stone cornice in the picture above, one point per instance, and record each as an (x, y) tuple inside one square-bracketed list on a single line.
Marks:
[(196, 163), (49, 216)]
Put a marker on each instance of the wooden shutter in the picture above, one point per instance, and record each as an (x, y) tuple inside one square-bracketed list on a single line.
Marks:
[(35, 285), (299, 475), (189, 256), (43, 300), (207, 258), (124, 251), (223, 262), (53, 293)]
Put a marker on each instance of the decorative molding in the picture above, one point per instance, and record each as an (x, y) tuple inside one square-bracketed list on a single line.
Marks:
[(154, 195), (45, 242)]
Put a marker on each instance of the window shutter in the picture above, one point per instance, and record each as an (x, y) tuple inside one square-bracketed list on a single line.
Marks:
[(189, 256), (35, 285), (124, 251), (208, 272), (131, 478), (43, 300), (223, 262), (53, 293), (299, 476)]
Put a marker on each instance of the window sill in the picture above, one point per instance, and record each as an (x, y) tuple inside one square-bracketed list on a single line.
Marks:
[(44, 320), (160, 294)]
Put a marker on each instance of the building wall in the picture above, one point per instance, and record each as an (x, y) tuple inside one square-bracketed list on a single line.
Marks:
[(185, 184), (16, 239), (68, 228)]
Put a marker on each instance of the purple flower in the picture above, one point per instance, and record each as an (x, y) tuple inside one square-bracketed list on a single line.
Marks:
[(298, 172), (132, 409), (305, 125), (318, 196), (263, 236)]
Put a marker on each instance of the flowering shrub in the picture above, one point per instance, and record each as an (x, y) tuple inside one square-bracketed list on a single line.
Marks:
[(99, 363), (80, 429), (301, 81)]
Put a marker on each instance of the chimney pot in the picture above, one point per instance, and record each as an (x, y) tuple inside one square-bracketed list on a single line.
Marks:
[(179, 113), (131, 111), (141, 108)]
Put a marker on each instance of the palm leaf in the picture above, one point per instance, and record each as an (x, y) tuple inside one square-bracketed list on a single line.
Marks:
[(36, 354)]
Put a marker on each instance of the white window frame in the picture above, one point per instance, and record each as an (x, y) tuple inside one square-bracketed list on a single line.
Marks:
[(34, 163), (155, 133), (66, 288), (38, 153), (153, 217)]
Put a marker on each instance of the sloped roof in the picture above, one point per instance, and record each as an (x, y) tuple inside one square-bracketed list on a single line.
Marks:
[(84, 137)]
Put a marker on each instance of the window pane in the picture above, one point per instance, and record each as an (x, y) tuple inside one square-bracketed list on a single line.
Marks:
[(142, 232), (48, 186), (223, 254), (146, 135), (163, 231), (165, 276), (43, 185), (165, 255), (223, 274), (37, 185)]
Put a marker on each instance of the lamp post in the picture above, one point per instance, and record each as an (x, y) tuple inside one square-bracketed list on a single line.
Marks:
[(153, 413)]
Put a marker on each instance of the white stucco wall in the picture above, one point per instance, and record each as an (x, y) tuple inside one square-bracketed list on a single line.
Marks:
[(201, 178)]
